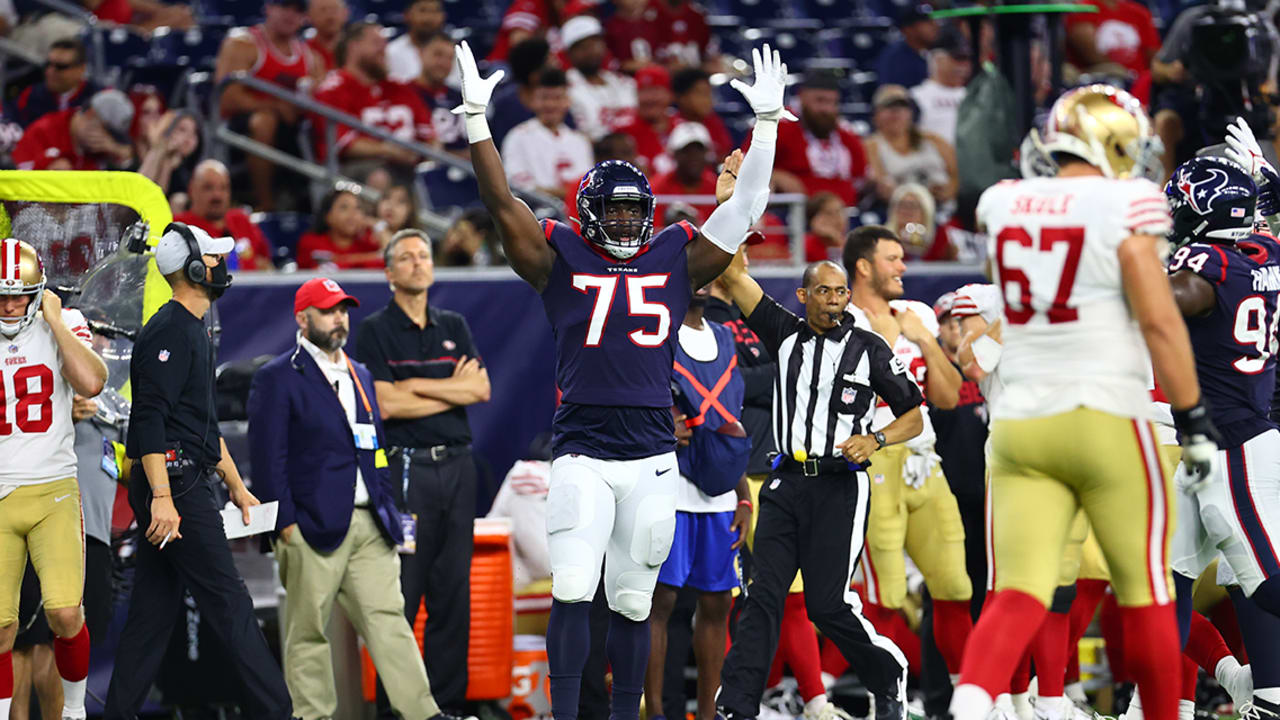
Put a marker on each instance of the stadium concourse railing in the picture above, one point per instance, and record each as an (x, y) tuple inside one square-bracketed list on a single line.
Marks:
[(330, 172)]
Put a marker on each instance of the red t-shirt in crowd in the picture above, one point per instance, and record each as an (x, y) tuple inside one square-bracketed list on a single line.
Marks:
[(392, 106), (530, 16), (253, 250), (815, 249), (316, 249), (1124, 33), (651, 147), (833, 164), (685, 38), (116, 11), (719, 132), (49, 139), (669, 184), (629, 39), (323, 54)]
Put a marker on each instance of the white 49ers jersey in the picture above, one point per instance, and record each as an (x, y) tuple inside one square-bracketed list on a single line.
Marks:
[(911, 356), (1069, 338), (37, 440)]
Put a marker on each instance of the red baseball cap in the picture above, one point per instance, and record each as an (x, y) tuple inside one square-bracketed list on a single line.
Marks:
[(321, 293), (653, 76)]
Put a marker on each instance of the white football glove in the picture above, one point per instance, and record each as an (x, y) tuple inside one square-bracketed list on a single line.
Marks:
[(476, 90), (1200, 442), (1243, 148), (917, 468), (765, 96)]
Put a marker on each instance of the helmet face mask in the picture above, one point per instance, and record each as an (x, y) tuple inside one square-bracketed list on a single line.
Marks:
[(21, 273), (621, 187), (1212, 200)]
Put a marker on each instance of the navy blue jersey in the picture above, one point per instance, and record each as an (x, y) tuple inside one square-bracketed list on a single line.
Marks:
[(1235, 344), (615, 323)]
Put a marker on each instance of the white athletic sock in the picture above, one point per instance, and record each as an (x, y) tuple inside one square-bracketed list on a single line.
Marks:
[(73, 698), (1271, 694), (4, 707), (817, 703), (970, 702), (1135, 707), (828, 681), (1186, 710), (1022, 705), (1005, 702), (1075, 691)]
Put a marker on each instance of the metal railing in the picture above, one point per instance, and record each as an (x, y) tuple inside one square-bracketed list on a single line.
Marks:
[(330, 170)]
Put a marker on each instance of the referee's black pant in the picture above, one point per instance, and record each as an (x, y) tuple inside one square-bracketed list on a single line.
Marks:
[(817, 524), (443, 496), (201, 562)]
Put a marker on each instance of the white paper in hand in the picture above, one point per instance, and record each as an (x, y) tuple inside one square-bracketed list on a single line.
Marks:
[(262, 518)]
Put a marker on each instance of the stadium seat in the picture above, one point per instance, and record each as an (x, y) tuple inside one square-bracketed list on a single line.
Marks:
[(755, 12), (124, 49), (197, 47), (796, 43), (448, 187), (387, 12), (230, 12), (860, 42), (470, 13), (282, 230)]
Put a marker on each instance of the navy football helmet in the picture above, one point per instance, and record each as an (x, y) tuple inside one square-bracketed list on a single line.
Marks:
[(1212, 199), (615, 181)]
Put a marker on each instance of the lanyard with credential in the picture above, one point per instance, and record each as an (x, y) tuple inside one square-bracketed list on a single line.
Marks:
[(364, 399)]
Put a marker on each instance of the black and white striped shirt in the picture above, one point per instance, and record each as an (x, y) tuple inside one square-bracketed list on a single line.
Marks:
[(826, 386)]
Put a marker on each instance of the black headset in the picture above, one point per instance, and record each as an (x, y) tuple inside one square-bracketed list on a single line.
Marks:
[(193, 267)]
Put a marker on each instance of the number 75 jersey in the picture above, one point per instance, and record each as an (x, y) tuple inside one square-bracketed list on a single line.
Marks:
[(37, 439), (1235, 344), (614, 319), (1069, 338)]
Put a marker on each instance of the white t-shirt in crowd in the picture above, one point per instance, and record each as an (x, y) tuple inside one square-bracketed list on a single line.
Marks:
[(939, 108), (599, 109), (537, 156)]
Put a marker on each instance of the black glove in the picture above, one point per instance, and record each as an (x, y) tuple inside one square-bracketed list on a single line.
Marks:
[(1200, 442)]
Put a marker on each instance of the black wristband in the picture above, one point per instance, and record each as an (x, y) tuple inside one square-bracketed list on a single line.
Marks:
[(1195, 420)]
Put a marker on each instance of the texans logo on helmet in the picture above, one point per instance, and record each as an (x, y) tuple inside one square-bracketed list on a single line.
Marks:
[(1200, 187)]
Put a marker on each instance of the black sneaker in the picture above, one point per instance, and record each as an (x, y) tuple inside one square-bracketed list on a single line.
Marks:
[(892, 707), (447, 716), (723, 713)]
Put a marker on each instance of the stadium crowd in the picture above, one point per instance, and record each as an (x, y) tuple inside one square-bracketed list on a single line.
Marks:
[(648, 99)]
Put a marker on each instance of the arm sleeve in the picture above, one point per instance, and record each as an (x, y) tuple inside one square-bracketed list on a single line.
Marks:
[(889, 377), (773, 323), (978, 299), (1208, 261), (159, 368), (75, 322), (727, 227), (269, 445)]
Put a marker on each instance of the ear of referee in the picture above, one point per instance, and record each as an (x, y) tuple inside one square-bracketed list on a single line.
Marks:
[(813, 508), (177, 450)]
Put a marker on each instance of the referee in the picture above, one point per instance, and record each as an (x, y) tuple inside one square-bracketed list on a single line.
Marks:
[(173, 437), (813, 509)]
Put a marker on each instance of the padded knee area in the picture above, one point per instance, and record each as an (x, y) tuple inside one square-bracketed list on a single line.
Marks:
[(573, 584), (632, 597), (1062, 599)]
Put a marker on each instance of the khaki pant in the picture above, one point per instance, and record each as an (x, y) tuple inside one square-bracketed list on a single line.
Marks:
[(363, 575)]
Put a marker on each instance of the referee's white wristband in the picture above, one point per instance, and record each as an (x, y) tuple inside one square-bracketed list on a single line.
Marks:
[(477, 128)]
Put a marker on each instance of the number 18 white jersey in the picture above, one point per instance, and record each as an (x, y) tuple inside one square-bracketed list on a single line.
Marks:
[(1070, 340), (37, 439)]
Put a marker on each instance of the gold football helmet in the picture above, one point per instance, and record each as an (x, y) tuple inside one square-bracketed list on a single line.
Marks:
[(21, 273), (1107, 128)]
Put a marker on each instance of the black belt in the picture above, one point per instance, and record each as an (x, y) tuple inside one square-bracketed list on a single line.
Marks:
[(435, 453), (818, 466)]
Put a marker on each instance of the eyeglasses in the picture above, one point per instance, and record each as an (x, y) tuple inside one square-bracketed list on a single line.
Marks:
[(822, 291), (61, 65)]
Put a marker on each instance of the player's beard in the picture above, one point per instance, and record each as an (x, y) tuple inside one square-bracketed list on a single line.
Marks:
[(330, 341), (886, 288)]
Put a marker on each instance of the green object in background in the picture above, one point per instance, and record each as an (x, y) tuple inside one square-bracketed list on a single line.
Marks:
[(1039, 9), (986, 138)]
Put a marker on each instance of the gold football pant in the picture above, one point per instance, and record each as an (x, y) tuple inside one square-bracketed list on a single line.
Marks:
[(924, 521), (43, 520), (1043, 470)]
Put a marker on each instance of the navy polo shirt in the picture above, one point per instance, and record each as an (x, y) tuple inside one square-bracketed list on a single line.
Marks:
[(394, 348)]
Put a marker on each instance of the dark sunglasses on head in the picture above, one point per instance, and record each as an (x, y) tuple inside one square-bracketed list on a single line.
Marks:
[(62, 65)]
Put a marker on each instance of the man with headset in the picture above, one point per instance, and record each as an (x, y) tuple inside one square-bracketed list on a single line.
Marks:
[(177, 450)]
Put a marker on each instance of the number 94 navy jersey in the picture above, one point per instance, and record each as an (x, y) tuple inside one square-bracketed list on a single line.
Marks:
[(1235, 344), (614, 322)]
